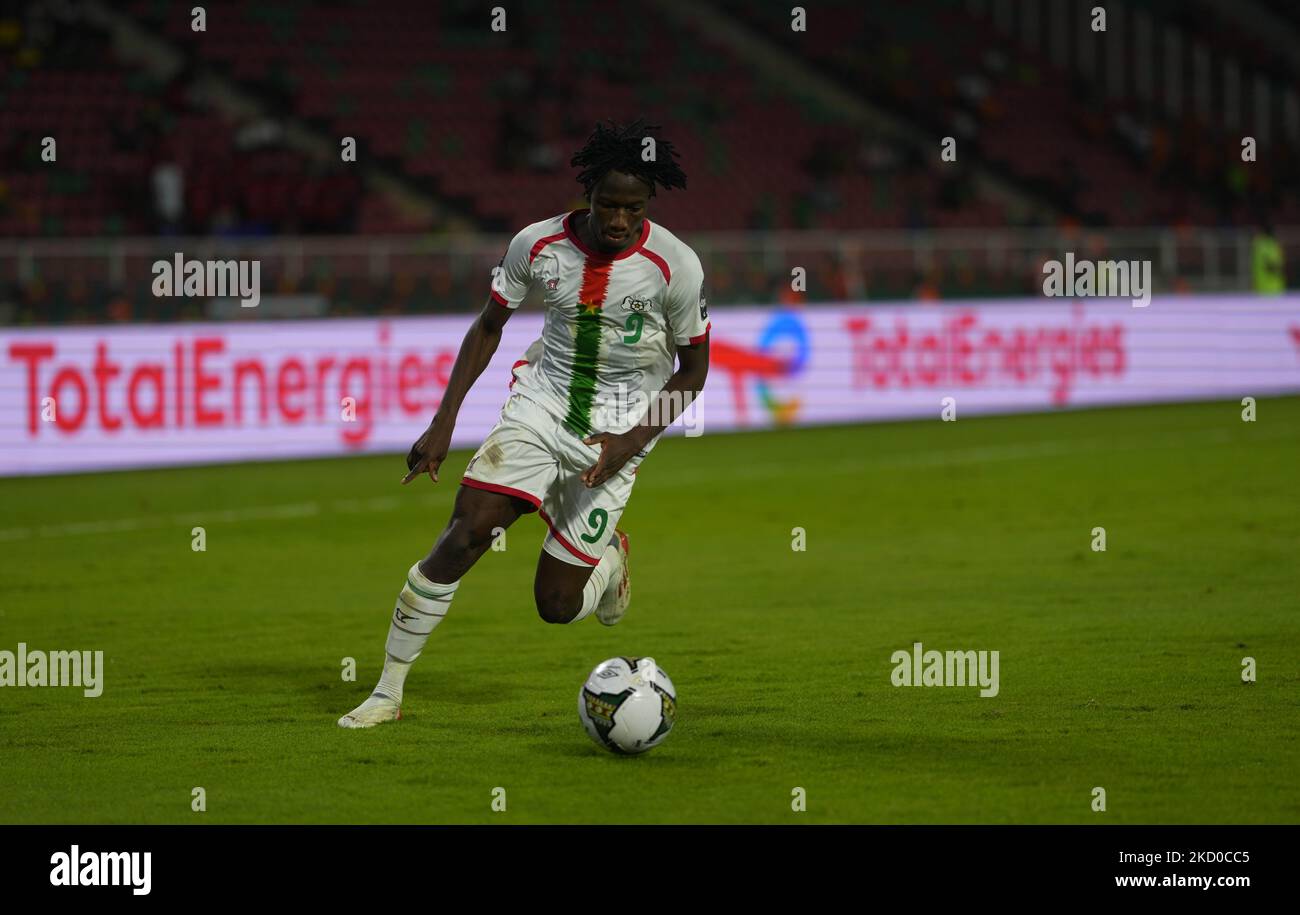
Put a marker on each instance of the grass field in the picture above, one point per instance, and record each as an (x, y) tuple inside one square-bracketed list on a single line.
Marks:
[(1119, 669)]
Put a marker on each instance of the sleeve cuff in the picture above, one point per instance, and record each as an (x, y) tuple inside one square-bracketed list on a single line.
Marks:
[(696, 339)]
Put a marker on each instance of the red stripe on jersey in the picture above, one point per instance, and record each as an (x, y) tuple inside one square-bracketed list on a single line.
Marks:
[(542, 243), (660, 263), (513, 376), (589, 560), (504, 490), (595, 284), (695, 340), (500, 299)]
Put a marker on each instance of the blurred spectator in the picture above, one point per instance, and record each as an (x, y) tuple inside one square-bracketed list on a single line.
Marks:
[(119, 307), (926, 288), (168, 196), (879, 157), (784, 293), (1266, 261)]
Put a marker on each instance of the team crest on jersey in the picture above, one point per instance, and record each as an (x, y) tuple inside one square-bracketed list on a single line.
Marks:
[(552, 284), (638, 305)]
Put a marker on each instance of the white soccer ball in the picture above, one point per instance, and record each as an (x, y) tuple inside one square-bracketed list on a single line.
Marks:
[(628, 705)]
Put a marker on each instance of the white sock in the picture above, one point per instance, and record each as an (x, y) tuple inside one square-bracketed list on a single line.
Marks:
[(610, 565), (421, 605)]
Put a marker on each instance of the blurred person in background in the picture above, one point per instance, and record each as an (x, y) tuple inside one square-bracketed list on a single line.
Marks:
[(1267, 268)]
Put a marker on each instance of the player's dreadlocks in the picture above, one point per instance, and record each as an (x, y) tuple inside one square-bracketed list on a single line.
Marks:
[(617, 148)]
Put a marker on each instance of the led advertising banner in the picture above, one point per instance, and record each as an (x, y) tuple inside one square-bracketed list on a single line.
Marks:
[(101, 397)]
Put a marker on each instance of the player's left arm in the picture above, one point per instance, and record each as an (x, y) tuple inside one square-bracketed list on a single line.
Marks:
[(688, 322)]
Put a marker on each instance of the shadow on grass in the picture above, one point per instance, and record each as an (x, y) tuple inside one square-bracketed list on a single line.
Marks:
[(322, 691)]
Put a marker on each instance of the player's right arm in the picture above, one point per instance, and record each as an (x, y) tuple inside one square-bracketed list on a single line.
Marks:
[(476, 351), (510, 284)]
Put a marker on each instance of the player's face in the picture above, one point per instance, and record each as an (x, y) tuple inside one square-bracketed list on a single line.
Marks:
[(618, 206)]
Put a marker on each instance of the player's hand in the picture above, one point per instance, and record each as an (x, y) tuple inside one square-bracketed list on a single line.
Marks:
[(615, 451), (429, 451)]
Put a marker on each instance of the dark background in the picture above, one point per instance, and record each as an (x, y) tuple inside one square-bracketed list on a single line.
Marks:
[(818, 148)]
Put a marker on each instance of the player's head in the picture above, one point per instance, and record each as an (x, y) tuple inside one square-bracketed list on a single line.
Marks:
[(620, 172)]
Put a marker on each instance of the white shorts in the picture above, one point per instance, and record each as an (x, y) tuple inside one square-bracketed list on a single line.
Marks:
[(529, 454)]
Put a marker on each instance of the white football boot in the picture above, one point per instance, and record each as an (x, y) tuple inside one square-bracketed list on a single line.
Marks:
[(618, 592), (377, 709)]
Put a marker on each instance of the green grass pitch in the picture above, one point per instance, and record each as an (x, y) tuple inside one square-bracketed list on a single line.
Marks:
[(1119, 669)]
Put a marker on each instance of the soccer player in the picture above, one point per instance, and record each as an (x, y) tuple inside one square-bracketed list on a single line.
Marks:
[(586, 403)]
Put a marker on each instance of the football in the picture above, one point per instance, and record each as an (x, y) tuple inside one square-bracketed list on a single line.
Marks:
[(628, 705)]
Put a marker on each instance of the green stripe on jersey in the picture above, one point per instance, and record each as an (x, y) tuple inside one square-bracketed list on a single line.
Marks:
[(582, 384)]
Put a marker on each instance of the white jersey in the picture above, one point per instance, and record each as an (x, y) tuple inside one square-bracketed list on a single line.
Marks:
[(612, 322)]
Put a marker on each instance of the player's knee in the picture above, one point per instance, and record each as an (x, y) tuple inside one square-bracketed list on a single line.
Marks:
[(554, 607)]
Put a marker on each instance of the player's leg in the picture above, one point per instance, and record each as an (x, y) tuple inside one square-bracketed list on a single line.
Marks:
[(476, 517), (427, 593), (557, 588), (432, 582), (566, 592), (583, 568), (513, 463)]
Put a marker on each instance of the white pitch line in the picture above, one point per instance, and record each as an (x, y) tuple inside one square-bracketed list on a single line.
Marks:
[(91, 527), (217, 516), (983, 454)]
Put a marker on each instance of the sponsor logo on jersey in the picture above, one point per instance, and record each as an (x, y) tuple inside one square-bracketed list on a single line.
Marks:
[(704, 311), (403, 617)]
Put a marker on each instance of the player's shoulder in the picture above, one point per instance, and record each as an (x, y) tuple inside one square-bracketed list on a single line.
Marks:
[(551, 228), (679, 256)]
